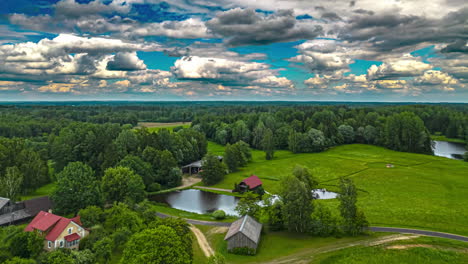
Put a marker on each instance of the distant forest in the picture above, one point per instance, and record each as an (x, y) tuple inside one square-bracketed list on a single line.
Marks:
[(38, 141)]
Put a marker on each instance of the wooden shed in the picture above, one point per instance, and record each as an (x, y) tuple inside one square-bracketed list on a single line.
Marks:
[(196, 167), (244, 233)]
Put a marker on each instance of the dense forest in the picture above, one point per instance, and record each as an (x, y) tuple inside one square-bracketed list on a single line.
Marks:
[(104, 164)]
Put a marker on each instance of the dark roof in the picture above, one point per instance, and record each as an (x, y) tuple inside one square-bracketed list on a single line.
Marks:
[(252, 181), (34, 206), (199, 163), (247, 226), (4, 202)]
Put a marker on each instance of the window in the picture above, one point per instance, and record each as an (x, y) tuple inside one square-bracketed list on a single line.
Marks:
[(70, 230), (61, 243), (49, 244)]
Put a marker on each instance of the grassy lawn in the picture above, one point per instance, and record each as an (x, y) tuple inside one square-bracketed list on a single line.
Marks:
[(418, 250), (41, 191), (421, 191), (443, 138)]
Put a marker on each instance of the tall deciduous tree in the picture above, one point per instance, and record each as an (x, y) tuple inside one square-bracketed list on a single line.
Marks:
[(122, 185), (140, 167), (77, 188), (213, 170), (297, 204), (11, 183), (268, 144), (354, 220), (248, 205), (157, 245)]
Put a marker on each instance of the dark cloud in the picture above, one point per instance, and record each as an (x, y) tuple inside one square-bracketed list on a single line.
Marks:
[(394, 31), (247, 27), (126, 61), (352, 3), (331, 16), (363, 11), (457, 46)]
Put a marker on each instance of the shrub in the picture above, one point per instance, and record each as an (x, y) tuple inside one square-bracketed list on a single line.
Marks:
[(217, 259), (154, 187), (219, 214)]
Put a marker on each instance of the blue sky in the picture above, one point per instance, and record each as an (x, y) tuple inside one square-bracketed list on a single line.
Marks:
[(234, 50)]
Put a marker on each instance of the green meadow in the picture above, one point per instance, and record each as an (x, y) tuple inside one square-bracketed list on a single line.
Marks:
[(419, 191), (379, 248)]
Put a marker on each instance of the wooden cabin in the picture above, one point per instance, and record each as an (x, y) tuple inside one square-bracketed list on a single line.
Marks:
[(249, 184), (244, 233), (196, 167)]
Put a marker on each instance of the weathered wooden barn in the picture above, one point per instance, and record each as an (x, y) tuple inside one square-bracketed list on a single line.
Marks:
[(244, 233), (196, 167)]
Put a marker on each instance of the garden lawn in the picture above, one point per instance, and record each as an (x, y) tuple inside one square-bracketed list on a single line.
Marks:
[(420, 191), (41, 191)]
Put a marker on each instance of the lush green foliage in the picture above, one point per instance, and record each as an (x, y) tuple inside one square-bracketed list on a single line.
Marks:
[(219, 214), (77, 187), (213, 170), (122, 184), (157, 245)]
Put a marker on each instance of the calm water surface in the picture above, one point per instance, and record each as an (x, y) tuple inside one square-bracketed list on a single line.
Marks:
[(449, 149), (201, 202)]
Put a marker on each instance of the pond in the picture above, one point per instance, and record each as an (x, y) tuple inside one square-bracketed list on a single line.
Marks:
[(449, 150), (202, 202), (197, 201)]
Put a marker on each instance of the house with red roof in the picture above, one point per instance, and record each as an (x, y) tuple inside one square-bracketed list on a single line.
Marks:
[(58, 231), (251, 183)]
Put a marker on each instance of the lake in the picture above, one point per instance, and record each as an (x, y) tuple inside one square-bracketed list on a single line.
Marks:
[(202, 202), (449, 150)]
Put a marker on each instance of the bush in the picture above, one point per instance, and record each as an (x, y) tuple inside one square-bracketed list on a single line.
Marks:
[(217, 259), (219, 214), (243, 251)]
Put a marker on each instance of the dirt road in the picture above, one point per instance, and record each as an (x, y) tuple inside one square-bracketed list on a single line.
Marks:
[(202, 242)]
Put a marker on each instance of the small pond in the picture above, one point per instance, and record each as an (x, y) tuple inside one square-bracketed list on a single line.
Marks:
[(197, 201), (449, 150), (201, 202)]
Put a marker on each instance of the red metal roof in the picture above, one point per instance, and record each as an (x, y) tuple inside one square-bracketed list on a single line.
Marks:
[(72, 237), (44, 221), (252, 181)]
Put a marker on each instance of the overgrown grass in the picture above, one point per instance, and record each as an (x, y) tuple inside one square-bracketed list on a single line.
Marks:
[(420, 191), (444, 138), (41, 191)]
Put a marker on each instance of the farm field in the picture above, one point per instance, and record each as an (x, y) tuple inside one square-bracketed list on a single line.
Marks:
[(420, 191), (154, 126)]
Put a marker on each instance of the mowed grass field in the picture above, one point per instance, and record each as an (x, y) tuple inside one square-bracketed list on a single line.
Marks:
[(154, 126), (420, 191)]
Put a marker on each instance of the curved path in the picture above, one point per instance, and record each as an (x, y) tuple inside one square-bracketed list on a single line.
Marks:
[(372, 228)]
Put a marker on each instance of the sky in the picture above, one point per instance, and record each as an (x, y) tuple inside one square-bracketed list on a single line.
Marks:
[(322, 50)]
